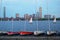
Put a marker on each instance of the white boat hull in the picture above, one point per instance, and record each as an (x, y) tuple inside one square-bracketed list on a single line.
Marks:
[(51, 32), (3, 33), (38, 32)]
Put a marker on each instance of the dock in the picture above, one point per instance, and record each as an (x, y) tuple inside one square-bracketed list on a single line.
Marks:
[(29, 37)]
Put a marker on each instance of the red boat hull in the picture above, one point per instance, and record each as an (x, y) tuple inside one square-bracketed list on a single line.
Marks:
[(25, 33), (12, 33)]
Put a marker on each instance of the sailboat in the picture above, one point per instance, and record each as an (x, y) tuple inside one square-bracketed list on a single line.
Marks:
[(25, 32), (11, 32), (54, 20), (49, 32), (3, 32), (38, 32), (52, 32), (30, 21)]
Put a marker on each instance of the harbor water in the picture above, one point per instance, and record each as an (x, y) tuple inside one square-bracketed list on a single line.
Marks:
[(25, 25)]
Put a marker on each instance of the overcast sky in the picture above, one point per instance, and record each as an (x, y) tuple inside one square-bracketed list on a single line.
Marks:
[(29, 6)]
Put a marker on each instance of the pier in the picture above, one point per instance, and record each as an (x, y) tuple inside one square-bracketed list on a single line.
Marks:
[(29, 37)]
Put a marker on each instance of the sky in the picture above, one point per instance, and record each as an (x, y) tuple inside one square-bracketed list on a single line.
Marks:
[(30, 7)]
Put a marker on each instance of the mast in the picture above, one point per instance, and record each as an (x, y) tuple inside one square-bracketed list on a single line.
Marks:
[(48, 17), (1, 8), (37, 16), (25, 25), (12, 25), (37, 24)]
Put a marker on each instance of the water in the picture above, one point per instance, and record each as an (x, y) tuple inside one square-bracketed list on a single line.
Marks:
[(19, 25)]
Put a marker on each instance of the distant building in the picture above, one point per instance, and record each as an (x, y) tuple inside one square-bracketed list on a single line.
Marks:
[(37, 15), (47, 16), (4, 12), (30, 16), (26, 16), (40, 12), (11, 18), (53, 16), (33, 16), (17, 16), (6, 19)]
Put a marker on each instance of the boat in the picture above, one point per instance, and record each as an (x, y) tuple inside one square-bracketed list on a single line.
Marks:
[(54, 20), (25, 33), (30, 21), (3, 33), (50, 32), (12, 33), (38, 32)]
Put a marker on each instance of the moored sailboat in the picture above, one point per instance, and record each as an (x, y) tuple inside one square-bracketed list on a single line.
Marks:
[(11, 32), (50, 32), (38, 33), (3, 32), (25, 32)]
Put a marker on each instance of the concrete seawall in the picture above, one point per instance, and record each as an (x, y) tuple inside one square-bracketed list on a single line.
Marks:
[(29, 37)]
